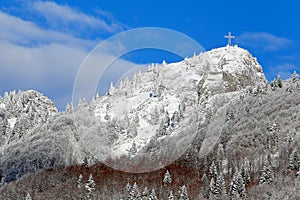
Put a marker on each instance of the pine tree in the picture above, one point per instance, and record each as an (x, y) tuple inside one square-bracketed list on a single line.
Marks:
[(152, 195), (204, 178), (28, 197), (294, 161), (213, 170), (220, 188), (183, 194), (128, 187), (111, 89), (205, 190), (279, 82), (171, 196), (237, 187), (135, 193), (212, 185), (90, 186), (133, 149), (145, 193), (167, 178), (245, 174), (69, 107), (294, 77), (266, 176), (79, 181)]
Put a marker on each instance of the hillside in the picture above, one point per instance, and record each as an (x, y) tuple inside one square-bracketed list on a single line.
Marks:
[(210, 116)]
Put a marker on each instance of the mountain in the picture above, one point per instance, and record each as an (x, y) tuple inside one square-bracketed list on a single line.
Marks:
[(165, 89), (216, 107)]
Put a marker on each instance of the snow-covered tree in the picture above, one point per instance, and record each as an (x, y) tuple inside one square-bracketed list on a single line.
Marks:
[(245, 174), (145, 193), (266, 176), (162, 129), (212, 186), (294, 160), (167, 178), (90, 186), (152, 195), (279, 81), (133, 149), (28, 197), (128, 187), (213, 170), (237, 186), (205, 190), (220, 187), (294, 77), (79, 181), (111, 89), (183, 194), (171, 196), (69, 107), (135, 193)]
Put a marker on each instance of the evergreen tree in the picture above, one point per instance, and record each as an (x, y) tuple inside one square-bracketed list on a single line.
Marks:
[(171, 196), (69, 107), (205, 190), (79, 181), (204, 178), (294, 161), (212, 186), (152, 195), (90, 186), (183, 194), (279, 82), (266, 176), (213, 170), (162, 129), (220, 188), (294, 77), (133, 149), (128, 187), (135, 193), (167, 178), (237, 187), (28, 197), (145, 193), (245, 174)]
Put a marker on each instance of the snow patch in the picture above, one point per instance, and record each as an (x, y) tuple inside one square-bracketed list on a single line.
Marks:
[(2, 106), (12, 122)]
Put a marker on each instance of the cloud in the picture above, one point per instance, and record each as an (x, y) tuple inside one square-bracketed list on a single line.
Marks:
[(39, 57), (264, 41), (18, 31), (62, 15)]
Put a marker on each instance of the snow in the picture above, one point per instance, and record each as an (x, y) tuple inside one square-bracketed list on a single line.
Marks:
[(2, 106), (12, 122), (170, 84)]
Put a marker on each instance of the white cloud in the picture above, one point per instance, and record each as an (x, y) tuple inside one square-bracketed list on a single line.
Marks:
[(58, 15), (44, 59), (18, 31), (264, 41)]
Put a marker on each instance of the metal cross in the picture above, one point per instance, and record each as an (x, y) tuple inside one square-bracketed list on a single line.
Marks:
[(229, 37)]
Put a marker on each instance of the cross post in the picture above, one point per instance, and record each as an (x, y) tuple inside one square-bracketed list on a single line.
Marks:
[(229, 37)]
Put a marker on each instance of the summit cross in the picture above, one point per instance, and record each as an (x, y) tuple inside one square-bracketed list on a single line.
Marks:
[(229, 37)]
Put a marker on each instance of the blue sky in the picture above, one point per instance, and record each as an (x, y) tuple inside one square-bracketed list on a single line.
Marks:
[(43, 43)]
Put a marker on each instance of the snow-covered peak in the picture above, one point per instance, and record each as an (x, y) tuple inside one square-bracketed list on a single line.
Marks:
[(153, 103), (21, 111)]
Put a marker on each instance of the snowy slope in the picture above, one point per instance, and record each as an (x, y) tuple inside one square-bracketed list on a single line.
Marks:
[(165, 90)]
